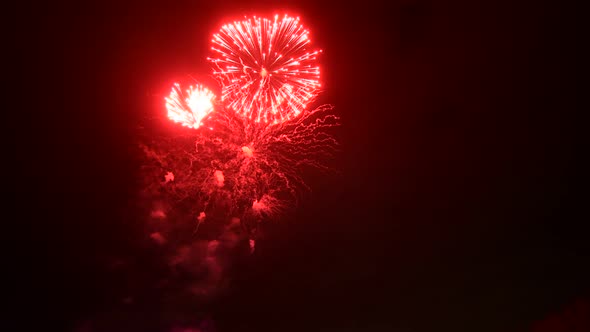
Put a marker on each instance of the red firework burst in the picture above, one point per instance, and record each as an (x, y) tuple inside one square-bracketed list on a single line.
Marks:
[(267, 72), (189, 108)]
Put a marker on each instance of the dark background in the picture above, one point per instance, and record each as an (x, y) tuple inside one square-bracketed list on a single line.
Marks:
[(460, 206)]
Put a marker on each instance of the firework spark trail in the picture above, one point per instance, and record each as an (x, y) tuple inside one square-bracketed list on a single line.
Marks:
[(268, 74)]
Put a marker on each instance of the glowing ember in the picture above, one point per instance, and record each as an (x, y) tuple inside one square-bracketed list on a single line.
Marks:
[(189, 108), (267, 72)]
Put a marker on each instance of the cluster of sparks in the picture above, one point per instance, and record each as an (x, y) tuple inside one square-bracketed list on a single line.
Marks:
[(247, 163)]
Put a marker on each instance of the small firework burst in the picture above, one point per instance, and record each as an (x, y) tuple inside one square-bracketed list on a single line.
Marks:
[(189, 108)]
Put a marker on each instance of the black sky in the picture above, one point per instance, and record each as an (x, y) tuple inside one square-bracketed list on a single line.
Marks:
[(460, 205)]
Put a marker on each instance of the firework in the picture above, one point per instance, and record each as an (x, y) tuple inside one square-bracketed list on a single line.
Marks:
[(267, 72), (189, 108), (249, 165)]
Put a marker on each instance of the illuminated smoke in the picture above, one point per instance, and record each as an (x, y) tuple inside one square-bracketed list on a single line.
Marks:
[(158, 214), (252, 244), (158, 238)]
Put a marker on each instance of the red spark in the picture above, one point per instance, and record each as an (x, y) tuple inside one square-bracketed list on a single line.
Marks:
[(266, 70), (158, 214)]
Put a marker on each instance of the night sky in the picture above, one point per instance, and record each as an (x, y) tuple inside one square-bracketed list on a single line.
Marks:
[(459, 204)]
